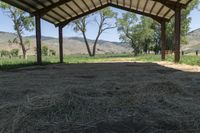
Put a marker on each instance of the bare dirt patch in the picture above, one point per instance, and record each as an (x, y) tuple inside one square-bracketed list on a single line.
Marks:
[(100, 98)]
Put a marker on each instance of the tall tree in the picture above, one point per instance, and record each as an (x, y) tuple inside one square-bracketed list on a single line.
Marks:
[(102, 19), (129, 32), (139, 32), (150, 33), (144, 33), (22, 22), (185, 23)]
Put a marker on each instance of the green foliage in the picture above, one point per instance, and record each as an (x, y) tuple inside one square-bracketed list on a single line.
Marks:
[(143, 33), (22, 22), (140, 32), (5, 53), (45, 51), (7, 63), (14, 52), (52, 52), (185, 22), (129, 31)]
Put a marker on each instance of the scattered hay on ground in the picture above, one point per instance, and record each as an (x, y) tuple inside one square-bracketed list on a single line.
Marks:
[(101, 103)]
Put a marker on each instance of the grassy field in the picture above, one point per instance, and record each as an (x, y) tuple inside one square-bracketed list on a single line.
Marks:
[(6, 63)]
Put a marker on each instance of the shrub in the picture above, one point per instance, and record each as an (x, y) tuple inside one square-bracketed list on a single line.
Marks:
[(45, 50), (5, 53), (14, 52), (52, 52)]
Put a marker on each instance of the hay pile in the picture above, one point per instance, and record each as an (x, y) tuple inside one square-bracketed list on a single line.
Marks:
[(100, 98), (157, 107)]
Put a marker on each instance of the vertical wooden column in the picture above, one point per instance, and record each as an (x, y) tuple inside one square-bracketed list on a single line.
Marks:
[(60, 30), (163, 40), (38, 39), (177, 33)]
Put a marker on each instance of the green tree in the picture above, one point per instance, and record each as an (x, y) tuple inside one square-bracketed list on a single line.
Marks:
[(52, 52), (131, 31), (45, 51), (14, 52), (185, 22), (102, 19), (5, 53), (150, 33), (22, 22), (144, 33)]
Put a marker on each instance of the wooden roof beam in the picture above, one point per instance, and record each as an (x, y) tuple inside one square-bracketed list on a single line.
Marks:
[(44, 10), (157, 18), (63, 24), (171, 4)]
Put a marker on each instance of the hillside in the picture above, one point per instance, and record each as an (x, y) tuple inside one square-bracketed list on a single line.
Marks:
[(73, 45), (194, 41)]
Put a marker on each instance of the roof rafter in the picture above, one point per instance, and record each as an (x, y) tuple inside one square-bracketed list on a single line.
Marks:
[(71, 9), (64, 11), (81, 15), (86, 5), (171, 4), (46, 9), (157, 18)]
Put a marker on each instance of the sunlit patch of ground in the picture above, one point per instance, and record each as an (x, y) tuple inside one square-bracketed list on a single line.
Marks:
[(182, 67)]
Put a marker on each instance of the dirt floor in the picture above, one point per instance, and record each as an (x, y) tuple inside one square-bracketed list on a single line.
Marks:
[(101, 98)]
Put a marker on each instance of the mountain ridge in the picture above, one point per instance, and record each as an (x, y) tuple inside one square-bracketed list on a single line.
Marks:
[(72, 45), (193, 41)]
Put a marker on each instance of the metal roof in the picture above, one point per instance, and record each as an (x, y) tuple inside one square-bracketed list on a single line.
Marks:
[(61, 12)]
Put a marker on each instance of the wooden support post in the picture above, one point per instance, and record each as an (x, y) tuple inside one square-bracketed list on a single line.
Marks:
[(38, 39), (163, 39), (177, 33), (60, 30)]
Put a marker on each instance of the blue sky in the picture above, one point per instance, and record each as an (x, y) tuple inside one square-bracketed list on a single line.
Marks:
[(111, 35)]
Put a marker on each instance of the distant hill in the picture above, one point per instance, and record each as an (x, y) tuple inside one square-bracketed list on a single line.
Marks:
[(194, 41), (72, 45)]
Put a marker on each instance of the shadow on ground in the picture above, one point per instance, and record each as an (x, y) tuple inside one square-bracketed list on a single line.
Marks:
[(99, 98), (10, 67)]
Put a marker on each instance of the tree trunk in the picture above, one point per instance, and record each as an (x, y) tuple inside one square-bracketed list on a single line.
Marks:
[(21, 44), (95, 45), (19, 35), (87, 45)]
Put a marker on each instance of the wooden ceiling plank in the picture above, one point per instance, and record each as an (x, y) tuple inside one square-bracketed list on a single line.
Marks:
[(138, 3), (100, 2), (40, 3), (131, 3), (166, 13), (153, 7), (140, 12), (86, 5), (82, 15), (159, 11), (46, 9), (71, 9), (55, 11), (78, 6), (145, 6), (93, 3)]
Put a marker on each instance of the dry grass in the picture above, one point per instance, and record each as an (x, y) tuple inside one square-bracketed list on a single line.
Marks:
[(99, 98)]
